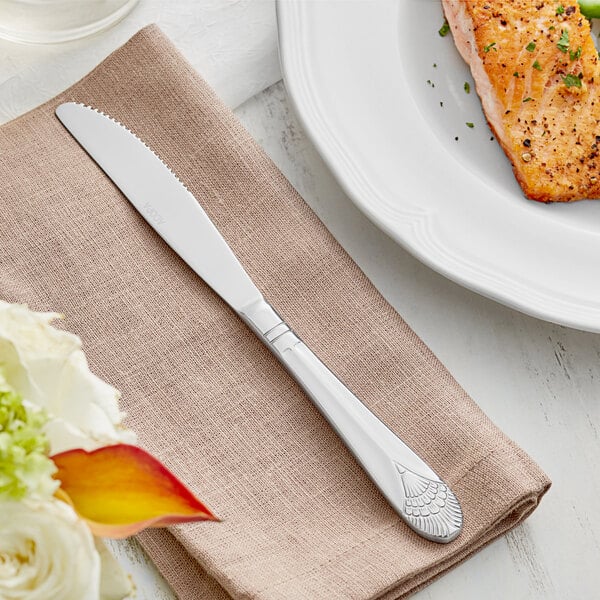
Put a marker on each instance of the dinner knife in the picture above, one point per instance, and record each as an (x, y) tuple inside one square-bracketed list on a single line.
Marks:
[(414, 490)]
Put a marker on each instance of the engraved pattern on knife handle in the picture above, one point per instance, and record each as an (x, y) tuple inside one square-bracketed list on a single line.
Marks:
[(425, 504), (430, 507)]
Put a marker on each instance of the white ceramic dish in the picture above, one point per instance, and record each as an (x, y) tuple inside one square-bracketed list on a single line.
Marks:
[(362, 77)]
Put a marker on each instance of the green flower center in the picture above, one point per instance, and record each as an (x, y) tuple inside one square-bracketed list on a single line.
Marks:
[(25, 468)]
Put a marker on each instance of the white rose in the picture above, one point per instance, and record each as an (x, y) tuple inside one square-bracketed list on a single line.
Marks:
[(46, 552), (47, 368)]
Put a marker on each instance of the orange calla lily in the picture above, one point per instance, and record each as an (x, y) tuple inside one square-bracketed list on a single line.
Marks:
[(121, 489)]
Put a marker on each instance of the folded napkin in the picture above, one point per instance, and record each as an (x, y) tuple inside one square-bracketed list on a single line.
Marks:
[(300, 518)]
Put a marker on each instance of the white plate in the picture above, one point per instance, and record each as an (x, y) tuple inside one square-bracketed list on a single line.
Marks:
[(358, 74)]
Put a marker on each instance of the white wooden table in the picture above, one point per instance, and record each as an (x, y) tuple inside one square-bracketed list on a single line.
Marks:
[(538, 381)]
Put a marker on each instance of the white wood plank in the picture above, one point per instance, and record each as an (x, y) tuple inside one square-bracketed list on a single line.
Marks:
[(149, 584)]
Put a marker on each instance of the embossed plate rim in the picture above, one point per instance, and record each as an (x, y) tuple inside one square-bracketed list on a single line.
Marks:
[(557, 289)]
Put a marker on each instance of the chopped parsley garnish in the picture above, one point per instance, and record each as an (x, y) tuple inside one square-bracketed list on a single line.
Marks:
[(575, 55), (530, 47), (563, 42), (487, 48), (571, 81), (444, 29), (536, 65), (528, 99), (470, 125), (551, 28), (560, 9), (516, 74), (467, 87)]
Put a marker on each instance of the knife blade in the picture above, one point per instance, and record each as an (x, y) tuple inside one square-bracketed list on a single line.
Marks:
[(414, 490)]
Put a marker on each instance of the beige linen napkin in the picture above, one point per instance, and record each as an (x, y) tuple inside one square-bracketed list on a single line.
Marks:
[(300, 518)]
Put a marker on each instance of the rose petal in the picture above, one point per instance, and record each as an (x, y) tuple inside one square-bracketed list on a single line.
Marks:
[(121, 489)]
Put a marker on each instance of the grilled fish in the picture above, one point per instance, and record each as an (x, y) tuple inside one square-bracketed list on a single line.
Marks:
[(537, 73)]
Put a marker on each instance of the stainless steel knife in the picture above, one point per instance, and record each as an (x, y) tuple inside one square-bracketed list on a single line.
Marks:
[(420, 497)]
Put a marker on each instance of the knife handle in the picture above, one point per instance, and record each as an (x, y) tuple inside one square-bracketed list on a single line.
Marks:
[(418, 495)]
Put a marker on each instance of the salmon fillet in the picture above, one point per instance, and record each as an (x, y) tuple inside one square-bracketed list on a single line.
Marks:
[(536, 71)]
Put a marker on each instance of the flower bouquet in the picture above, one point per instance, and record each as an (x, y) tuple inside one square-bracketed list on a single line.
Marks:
[(70, 472)]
